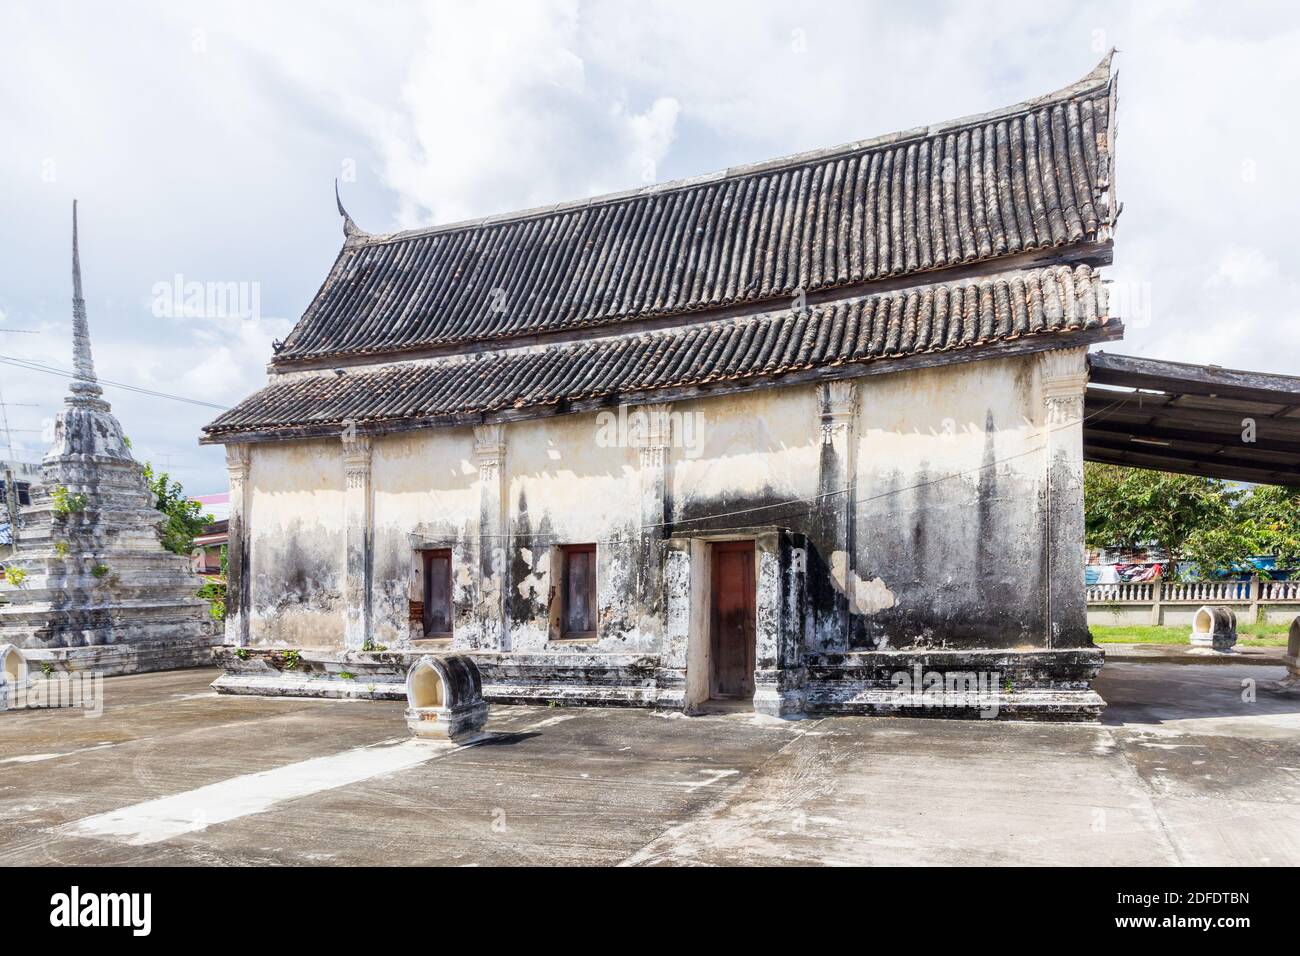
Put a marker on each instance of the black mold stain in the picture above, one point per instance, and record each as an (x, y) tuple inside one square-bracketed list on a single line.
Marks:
[(526, 608), (299, 570)]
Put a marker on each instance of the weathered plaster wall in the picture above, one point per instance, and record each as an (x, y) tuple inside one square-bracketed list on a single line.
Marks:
[(567, 482), (425, 483), (940, 545), (749, 453), (297, 548), (949, 536)]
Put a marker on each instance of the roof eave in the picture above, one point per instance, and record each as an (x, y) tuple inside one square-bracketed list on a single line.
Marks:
[(1111, 330)]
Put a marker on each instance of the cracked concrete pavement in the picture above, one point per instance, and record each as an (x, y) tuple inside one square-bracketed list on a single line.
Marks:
[(1183, 769)]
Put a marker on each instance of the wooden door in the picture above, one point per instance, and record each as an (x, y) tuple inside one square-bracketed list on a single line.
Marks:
[(437, 594), (579, 610), (732, 620)]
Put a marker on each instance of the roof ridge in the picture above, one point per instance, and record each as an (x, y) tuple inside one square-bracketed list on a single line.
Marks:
[(1096, 78)]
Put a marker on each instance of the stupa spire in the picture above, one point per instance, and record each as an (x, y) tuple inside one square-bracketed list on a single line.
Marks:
[(83, 363)]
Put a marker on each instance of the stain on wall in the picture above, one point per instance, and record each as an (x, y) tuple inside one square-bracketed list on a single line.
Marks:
[(938, 544), (297, 548)]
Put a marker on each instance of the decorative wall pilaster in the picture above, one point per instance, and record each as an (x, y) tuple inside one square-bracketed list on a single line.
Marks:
[(678, 600), (654, 451), (780, 679), (359, 537), (838, 472), (490, 456), (1063, 374), (238, 589)]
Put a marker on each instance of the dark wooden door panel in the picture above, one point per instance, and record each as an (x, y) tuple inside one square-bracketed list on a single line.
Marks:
[(732, 619), (580, 592), (437, 594)]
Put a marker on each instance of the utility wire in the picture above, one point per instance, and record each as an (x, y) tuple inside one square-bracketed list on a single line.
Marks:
[(35, 366)]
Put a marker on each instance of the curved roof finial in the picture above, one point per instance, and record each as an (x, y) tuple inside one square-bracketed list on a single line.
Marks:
[(350, 228), (1102, 70)]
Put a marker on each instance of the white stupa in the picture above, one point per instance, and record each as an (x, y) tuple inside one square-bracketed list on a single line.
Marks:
[(98, 591)]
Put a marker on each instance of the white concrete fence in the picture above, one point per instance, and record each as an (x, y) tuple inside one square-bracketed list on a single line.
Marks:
[(1173, 603)]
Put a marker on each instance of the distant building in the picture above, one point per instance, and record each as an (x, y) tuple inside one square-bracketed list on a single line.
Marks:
[(26, 475), (205, 558)]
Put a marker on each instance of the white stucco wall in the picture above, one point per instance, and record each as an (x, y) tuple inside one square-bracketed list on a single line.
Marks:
[(423, 482), (568, 483), (947, 548), (296, 551), (751, 450), (951, 465)]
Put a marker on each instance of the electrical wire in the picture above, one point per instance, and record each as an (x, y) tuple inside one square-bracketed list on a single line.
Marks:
[(34, 366)]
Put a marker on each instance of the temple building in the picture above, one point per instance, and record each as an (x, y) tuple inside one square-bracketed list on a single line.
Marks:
[(91, 588), (799, 436)]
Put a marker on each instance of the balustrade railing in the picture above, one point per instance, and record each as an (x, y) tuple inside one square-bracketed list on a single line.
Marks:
[(1253, 592)]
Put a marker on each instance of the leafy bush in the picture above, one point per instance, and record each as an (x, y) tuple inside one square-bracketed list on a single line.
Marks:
[(185, 517), (214, 592), (67, 502)]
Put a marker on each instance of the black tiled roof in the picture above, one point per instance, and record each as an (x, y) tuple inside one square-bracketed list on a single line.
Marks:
[(947, 318), (1034, 176)]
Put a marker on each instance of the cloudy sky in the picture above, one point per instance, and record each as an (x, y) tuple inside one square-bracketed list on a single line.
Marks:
[(203, 140)]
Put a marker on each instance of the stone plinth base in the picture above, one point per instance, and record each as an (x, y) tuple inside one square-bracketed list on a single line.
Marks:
[(1015, 685), (581, 680), (1008, 685)]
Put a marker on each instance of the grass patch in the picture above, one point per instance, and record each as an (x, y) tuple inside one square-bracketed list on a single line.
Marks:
[(1248, 635)]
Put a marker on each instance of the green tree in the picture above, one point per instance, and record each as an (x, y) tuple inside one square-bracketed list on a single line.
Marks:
[(185, 517), (1265, 522), (1202, 520), (1190, 517), (1271, 515), (1225, 547)]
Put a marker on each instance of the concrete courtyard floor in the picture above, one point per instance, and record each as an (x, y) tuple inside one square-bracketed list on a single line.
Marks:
[(1180, 771)]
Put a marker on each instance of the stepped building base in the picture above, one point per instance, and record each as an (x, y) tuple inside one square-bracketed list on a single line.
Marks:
[(1007, 685), (111, 660)]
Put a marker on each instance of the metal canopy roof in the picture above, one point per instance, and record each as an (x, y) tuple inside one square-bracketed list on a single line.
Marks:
[(1192, 419)]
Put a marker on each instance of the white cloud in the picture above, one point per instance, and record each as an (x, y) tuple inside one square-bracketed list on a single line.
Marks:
[(494, 88), (1242, 267), (649, 135)]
